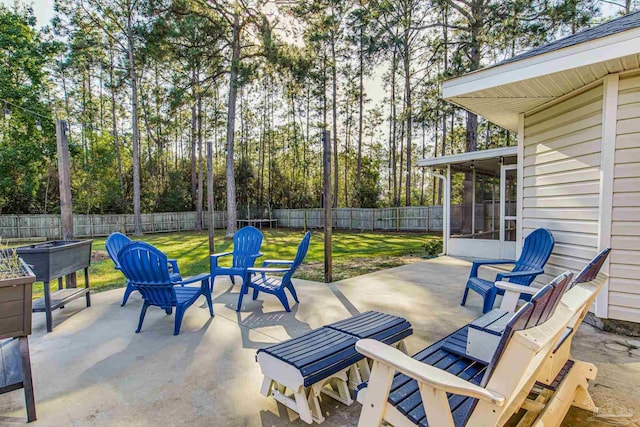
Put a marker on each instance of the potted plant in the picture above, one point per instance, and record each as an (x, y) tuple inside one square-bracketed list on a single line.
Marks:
[(16, 281)]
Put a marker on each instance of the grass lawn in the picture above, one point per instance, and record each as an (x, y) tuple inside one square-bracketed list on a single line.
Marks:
[(353, 254)]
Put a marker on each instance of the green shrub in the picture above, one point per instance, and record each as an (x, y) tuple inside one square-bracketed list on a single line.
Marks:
[(433, 247)]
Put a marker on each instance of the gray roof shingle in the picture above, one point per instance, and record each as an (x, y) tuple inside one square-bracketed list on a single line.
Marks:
[(617, 25)]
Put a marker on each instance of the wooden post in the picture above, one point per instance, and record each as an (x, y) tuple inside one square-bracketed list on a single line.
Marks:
[(64, 178), (326, 161), (305, 220)]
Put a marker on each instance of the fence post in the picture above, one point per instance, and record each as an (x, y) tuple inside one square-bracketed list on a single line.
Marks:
[(397, 218), (427, 224), (305, 220)]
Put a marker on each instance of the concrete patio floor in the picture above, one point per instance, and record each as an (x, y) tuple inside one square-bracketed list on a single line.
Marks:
[(93, 370)]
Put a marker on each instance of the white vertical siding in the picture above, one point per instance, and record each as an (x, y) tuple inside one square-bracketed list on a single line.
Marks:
[(624, 282), (561, 178)]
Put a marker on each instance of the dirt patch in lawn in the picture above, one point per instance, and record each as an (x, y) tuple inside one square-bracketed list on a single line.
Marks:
[(98, 255), (345, 269)]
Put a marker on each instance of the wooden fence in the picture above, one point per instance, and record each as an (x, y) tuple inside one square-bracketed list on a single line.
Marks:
[(48, 226), (415, 218)]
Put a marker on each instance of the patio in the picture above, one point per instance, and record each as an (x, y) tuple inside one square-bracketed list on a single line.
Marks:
[(94, 370)]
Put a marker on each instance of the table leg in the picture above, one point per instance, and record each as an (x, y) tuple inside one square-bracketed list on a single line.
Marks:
[(59, 283), (27, 380), (47, 306), (86, 285)]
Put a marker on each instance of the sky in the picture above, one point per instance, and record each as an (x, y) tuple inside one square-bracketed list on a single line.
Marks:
[(42, 9)]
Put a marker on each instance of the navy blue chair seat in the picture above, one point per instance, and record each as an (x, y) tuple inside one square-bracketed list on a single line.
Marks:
[(405, 395)]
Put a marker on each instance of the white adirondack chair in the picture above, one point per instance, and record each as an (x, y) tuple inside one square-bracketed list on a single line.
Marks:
[(523, 358)]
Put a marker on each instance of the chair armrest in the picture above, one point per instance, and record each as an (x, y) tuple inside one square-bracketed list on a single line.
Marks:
[(425, 374), (214, 258), (520, 289), (477, 263), (493, 261), (512, 293), (267, 270), (198, 278), (510, 274), (218, 255), (276, 261)]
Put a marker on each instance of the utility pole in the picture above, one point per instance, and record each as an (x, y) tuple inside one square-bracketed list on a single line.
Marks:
[(326, 143)]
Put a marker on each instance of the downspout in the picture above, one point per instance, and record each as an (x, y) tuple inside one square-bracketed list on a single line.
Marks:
[(445, 209)]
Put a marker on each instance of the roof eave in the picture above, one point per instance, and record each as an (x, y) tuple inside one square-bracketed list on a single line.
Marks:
[(580, 55), (467, 157)]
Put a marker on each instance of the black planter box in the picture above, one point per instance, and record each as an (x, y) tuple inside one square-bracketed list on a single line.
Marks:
[(54, 260), (57, 258)]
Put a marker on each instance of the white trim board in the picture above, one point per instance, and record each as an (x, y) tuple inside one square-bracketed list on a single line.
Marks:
[(583, 54), (467, 157), (607, 165)]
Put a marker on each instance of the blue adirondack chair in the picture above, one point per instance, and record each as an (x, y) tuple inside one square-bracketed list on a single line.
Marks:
[(246, 249), (275, 285), (148, 270), (115, 242), (535, 253)]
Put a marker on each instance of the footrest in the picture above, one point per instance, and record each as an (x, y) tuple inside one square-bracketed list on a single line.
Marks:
[(311, 357), (325, 361), (375, 325)]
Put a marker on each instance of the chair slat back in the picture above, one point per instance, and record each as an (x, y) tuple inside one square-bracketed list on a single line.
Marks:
[(115, 242), (246, 242), (303, 247), (143, 264), (536, 251), (146, 266), (591, 270), (534, 313)]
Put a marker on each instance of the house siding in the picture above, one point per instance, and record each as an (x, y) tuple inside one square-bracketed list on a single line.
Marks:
[(624, 281), (561, 178)]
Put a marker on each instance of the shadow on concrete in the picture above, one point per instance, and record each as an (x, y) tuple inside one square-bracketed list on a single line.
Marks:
[(343, 299), (253, 318)]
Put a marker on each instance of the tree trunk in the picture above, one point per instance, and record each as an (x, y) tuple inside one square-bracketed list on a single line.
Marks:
[(137, 214), (231, 121), (360, 110), (393, 127), (210, 202), (199, 219), (334, 110), (408, 113), (194, 124), (116, 140)]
